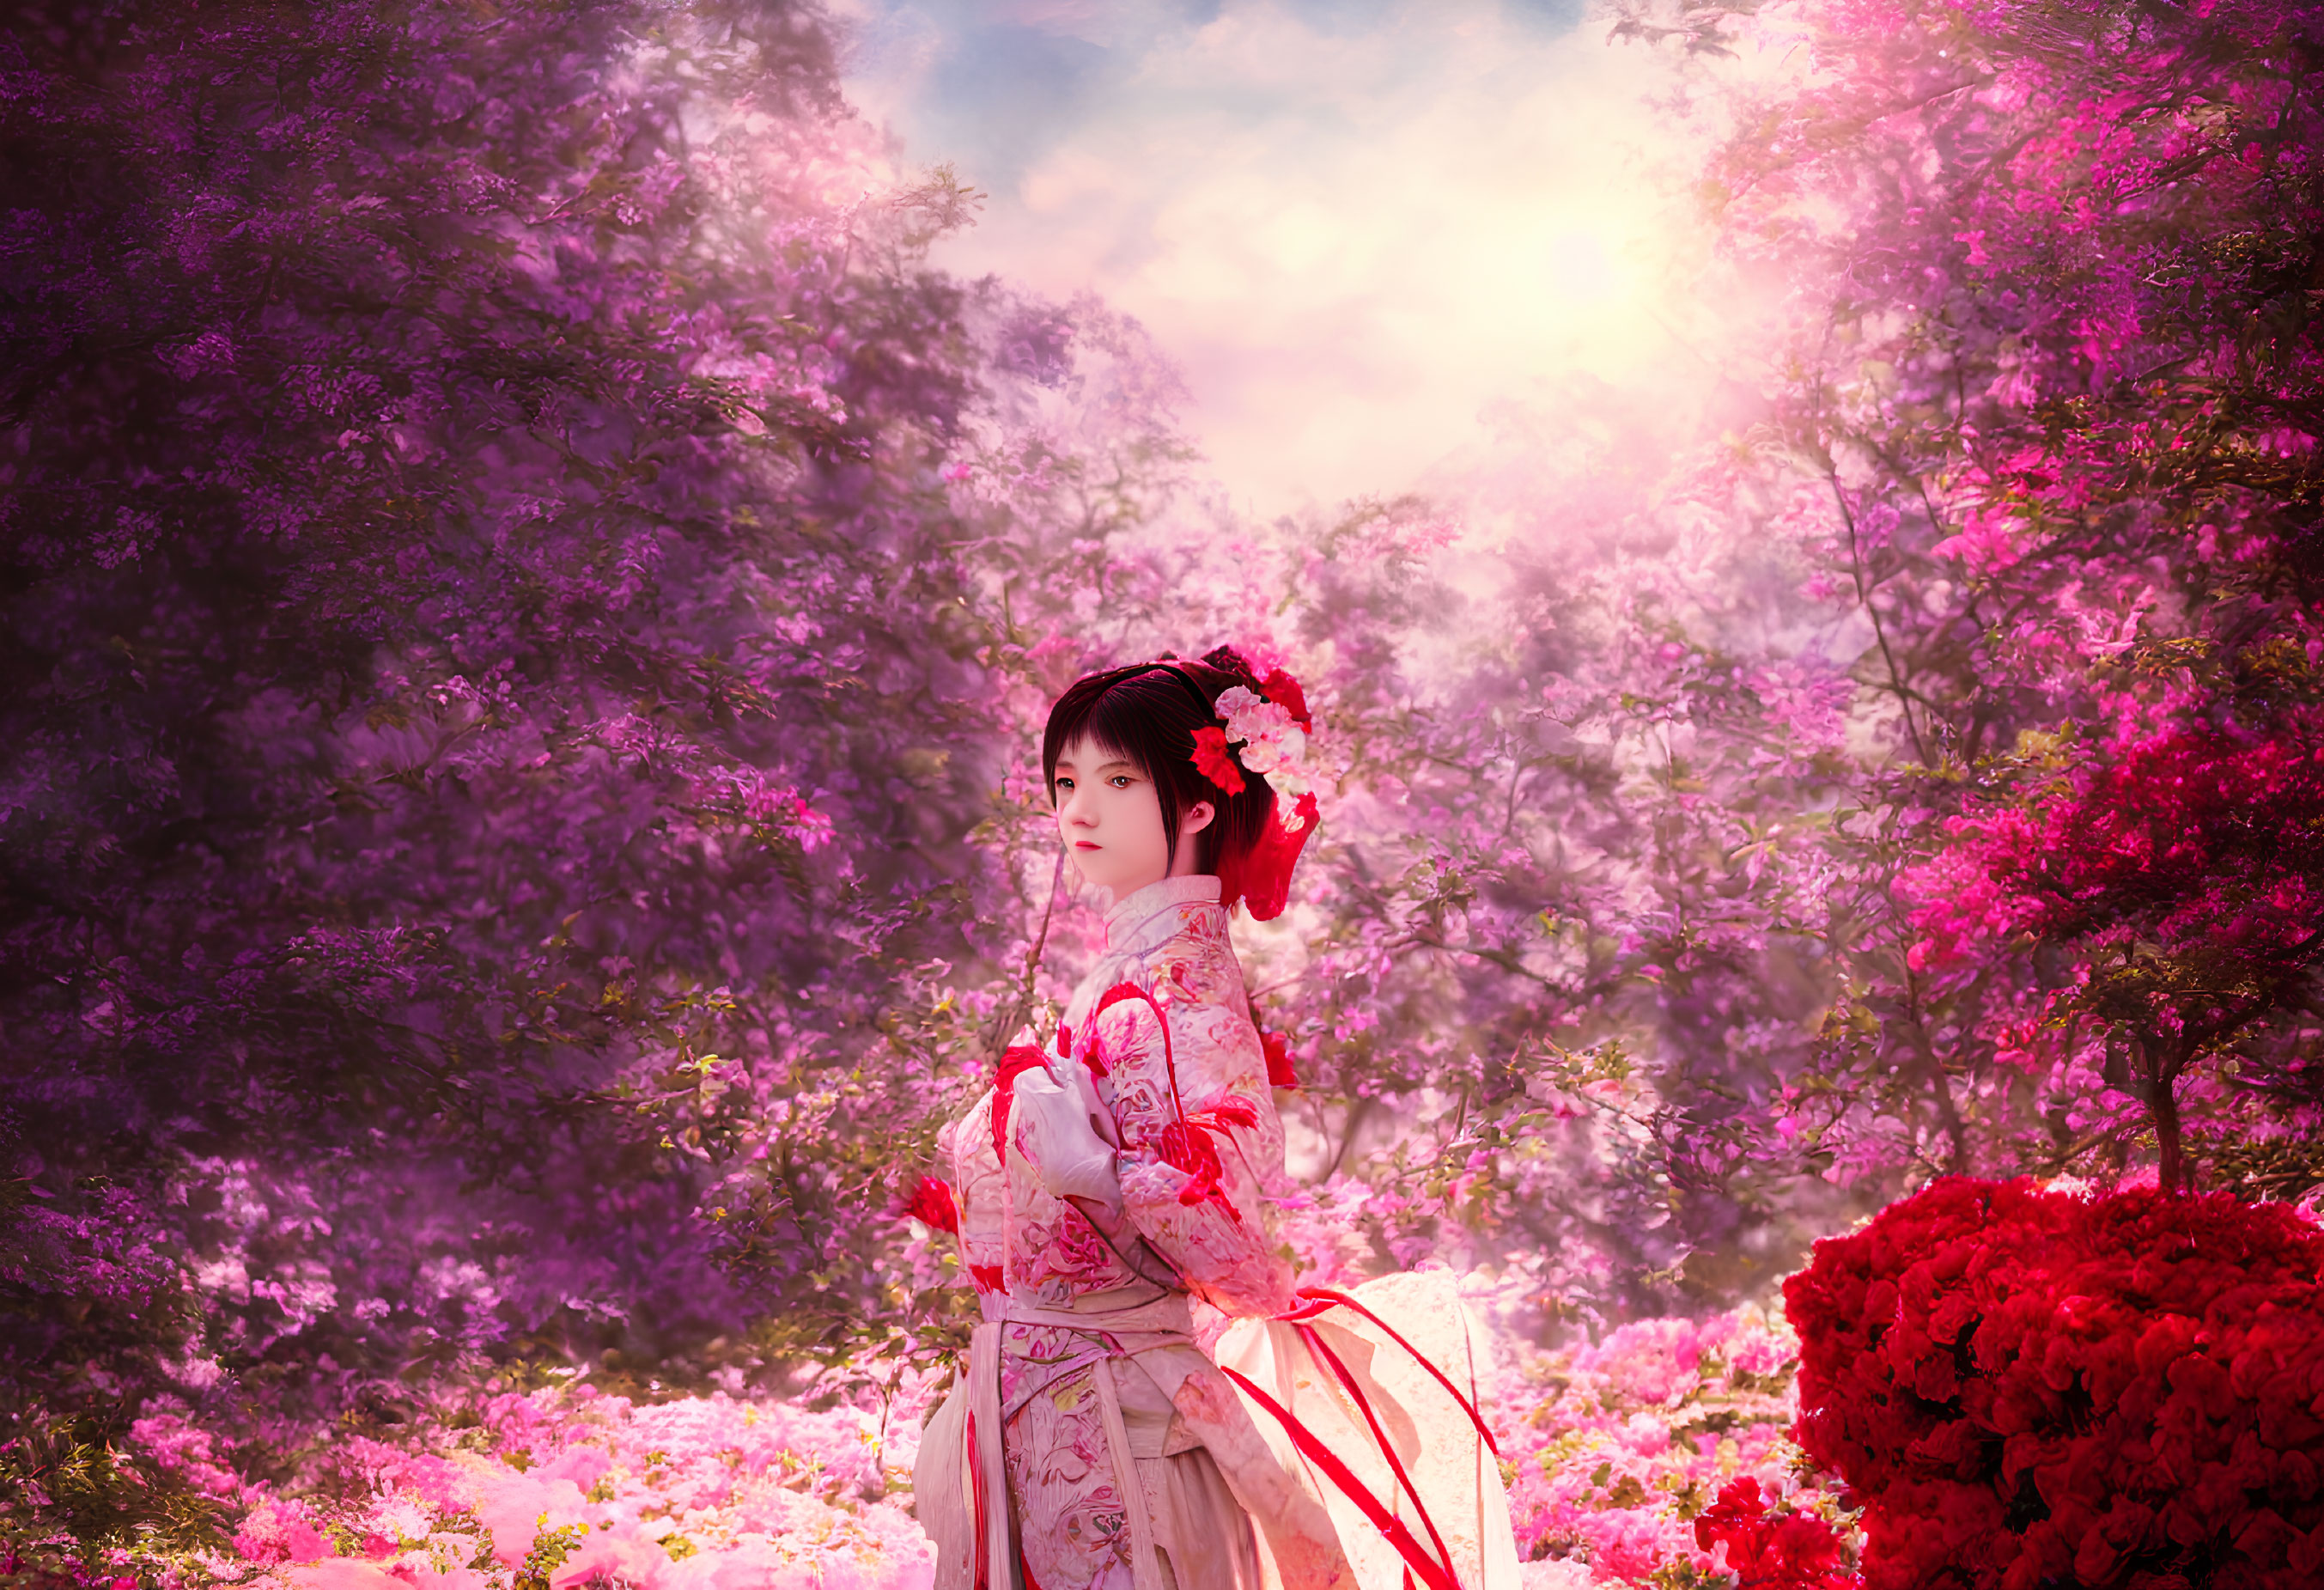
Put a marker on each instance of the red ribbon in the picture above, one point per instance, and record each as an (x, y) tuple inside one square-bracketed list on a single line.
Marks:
[(1178, 1144), (1319, 1301), (1125, 991), (1260, 875), (1432, 1574), (1322, 1299), (1020, 1058), (1322, 1352), (976, 1493)]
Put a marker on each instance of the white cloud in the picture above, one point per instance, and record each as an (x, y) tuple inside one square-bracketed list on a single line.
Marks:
[(1355, 237)]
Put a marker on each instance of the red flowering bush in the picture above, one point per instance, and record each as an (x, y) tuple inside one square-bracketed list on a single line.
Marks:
[(2028, 1388), (1772, 1550)]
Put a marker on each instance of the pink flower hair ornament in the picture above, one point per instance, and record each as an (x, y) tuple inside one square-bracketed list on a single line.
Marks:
[(1266, 733)]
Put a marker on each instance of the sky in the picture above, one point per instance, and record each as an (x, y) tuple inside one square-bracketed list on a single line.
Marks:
[(1366, 233)]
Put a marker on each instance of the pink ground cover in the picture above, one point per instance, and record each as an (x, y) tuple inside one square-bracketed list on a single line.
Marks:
[(1613, 1450), (567, 1486), (1616, 1447)]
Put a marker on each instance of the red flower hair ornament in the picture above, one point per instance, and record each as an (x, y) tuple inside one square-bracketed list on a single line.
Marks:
[(1215, 762), (1266, 733)]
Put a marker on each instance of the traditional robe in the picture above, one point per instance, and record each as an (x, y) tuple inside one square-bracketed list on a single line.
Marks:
[(1092, 1443)]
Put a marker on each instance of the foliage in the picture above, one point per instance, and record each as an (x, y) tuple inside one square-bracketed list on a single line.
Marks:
[(2026, 1386), (2183, 873), (2053, 351), (482, 686), (530, 605)]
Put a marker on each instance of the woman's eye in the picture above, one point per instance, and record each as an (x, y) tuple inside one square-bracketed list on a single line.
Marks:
[(1120, 781)]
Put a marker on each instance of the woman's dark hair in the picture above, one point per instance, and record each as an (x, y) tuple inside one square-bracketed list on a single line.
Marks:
[(1147, 713)]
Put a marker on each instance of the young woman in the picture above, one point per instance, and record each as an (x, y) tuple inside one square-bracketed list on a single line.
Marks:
[(1115, 1428)]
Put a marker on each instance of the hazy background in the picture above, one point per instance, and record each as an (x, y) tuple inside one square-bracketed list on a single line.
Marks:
[(1362, 231)]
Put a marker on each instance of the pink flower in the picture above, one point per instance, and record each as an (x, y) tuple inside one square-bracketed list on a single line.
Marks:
[(278, 1532)]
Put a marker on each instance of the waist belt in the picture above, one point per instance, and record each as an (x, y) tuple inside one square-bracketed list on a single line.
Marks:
[(1096, 1311)]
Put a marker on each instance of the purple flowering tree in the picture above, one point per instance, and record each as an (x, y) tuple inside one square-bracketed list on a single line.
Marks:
[(490, 667)]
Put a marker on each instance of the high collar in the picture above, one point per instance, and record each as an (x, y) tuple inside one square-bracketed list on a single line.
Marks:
[(1132, 924)]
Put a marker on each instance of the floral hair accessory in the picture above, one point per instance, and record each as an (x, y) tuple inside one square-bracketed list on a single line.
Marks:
[(1273, 743), (1213, 762), (1266, 735)]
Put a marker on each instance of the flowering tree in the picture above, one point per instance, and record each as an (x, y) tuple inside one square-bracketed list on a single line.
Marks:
[(2060, 389), (511, 683), (487, 671), (2182, 875)]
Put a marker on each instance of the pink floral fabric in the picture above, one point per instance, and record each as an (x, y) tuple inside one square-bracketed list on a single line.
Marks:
[(1162, 1024), (1072, 1517)]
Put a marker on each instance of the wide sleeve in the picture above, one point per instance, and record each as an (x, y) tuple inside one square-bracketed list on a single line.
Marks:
[(964, 1149), (1186, 1081)]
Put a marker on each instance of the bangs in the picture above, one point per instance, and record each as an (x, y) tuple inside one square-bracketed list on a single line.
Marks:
[(1110, 724), (1141, 714)]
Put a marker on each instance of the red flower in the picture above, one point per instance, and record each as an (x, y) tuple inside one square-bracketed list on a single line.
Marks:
[(1281, 689), (2025, 1387), (1213, 761), (1783, 1551), (1277, 1048), (933, 1207)]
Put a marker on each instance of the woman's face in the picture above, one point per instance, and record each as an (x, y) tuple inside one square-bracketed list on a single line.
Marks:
[(1111, 820)]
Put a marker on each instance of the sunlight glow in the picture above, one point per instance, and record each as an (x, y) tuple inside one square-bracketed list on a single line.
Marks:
[(1356, 243)]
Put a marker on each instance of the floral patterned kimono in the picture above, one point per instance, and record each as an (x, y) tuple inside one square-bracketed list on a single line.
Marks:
[(1091, 1443)]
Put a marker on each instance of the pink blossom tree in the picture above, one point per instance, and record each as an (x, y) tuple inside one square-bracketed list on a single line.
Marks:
[(490, 667)]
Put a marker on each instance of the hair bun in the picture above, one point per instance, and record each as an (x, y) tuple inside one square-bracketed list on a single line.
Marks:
[(1232, 663), (1277, 686)]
